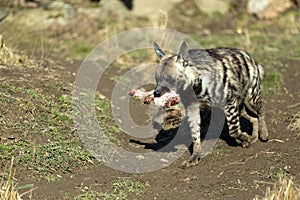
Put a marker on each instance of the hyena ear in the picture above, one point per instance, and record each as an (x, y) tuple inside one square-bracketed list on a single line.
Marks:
[(182, 55), (158, 51)]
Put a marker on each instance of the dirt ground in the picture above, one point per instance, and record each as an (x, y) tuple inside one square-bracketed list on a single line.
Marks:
[(228, 172)]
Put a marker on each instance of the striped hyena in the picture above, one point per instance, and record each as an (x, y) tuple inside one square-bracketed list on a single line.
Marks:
[(228, 78)]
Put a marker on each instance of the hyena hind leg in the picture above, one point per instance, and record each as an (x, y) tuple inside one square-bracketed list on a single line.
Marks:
[(233, 120), (262, 127)]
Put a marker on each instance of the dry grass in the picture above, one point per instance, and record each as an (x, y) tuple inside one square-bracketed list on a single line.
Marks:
[(8, 186), (295, 123), (284, 189), (9, 58)]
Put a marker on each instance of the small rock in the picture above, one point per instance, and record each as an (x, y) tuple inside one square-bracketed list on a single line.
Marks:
[(287, 168), (100, 96), (141, 8), (57, 13), (140, 157), (213, 6), (268, 9), (164, 160), (59, 176), (93, 13), (187, 179), (146, 8), (64, 9)]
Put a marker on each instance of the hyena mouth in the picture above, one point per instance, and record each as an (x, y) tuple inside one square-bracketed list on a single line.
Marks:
[(166, 100), (161, 91), (169, 101)]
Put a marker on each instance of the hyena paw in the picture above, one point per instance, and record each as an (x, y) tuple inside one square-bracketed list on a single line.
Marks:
[(244, 140), (263, 131), (253, 139), (264, 135), (245, 144), (194, 160)]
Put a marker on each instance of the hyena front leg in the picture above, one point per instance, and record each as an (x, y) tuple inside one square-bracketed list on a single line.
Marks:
[(193, 117), (192, 109), (263, 131), (233, 120), (254, 122)]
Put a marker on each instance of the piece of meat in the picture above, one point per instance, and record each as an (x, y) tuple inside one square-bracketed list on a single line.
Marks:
[(166, 100)]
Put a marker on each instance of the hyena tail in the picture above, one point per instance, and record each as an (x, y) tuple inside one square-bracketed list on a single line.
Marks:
[(261, 71)]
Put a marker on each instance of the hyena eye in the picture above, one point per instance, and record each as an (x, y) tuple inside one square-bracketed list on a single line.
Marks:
[(169, 79), (185, 63)]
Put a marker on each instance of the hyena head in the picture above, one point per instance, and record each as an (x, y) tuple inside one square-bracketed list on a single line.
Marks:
[(171, 73)]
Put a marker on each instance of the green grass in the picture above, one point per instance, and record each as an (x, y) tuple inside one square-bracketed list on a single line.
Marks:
[(50, 160), (47, 117), (273, 172), (90, 195), (272, 82), (80, 50), (121, 189), (106, 120), (39, 131)]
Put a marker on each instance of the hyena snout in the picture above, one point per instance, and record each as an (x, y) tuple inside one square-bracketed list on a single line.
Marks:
[(160, 90), (156, 93)]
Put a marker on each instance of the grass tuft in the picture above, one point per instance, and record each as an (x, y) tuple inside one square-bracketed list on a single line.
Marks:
[(9, 57), (295, 123), (284, 189), (123, 188), (8, 186)]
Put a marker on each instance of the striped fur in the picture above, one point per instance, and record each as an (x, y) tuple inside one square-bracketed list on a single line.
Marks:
[(224, 77)]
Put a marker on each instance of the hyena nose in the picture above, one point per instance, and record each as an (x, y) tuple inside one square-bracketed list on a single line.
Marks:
[(156, 93)]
